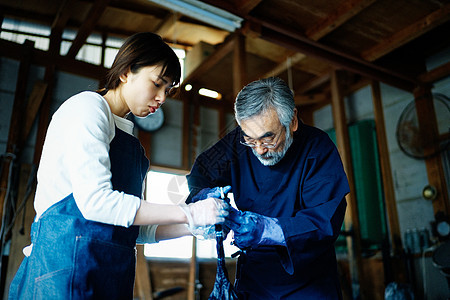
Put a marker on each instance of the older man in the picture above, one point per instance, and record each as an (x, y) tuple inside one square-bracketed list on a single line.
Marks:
[(289, 186)]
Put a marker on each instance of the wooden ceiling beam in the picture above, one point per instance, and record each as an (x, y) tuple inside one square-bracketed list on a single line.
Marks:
[(407, 34), (25, 14), (246, 6), (168, 23), (313, 84), (290, 39), (43, 58), (87, 27), (58, 25), (436, 74), (346, 10), (212, 60), (302, 100), (283, 66)]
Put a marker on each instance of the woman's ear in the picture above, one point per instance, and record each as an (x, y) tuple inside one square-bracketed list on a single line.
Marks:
[(124, 77)]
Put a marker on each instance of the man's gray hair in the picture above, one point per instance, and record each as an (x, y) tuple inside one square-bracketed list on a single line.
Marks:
[(262, 95)]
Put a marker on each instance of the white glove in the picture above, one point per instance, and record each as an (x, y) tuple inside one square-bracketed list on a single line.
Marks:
[(206, 212), (203, 232)]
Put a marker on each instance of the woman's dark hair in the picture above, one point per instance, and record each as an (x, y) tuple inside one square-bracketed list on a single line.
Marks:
[(142, 50)]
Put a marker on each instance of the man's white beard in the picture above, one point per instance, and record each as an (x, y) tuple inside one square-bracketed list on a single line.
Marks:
[(272, 158)]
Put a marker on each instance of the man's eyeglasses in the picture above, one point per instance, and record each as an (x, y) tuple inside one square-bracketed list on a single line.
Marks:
[(266, 142)]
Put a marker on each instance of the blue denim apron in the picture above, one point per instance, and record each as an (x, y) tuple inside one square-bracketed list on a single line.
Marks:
[(74, 258)]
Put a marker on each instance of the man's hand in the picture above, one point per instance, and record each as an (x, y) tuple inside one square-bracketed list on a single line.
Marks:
[(251, 229)]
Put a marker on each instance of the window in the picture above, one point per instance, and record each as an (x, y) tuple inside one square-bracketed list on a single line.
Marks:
[(18, 31), (167, 188)]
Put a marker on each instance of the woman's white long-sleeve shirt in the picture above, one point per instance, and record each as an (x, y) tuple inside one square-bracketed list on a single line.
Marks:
[(75, 159)]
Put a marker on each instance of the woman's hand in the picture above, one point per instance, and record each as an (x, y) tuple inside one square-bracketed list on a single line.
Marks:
[(206, 212)]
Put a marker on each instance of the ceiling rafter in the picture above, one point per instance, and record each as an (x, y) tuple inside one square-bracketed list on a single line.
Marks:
[(87, 27), (246, 6), (212, 60), (62, 63), (292, 40), (345, 12), (313, 84), (167, 23), (301, 100), (408, 33), (24, 14), (283, 66), (58, 25)]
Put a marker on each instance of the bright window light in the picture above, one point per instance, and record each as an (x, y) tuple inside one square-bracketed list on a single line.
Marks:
[(166, 188), (210, 93)]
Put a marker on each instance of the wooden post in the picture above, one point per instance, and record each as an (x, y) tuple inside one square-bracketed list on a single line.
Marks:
[(193, 273), (239, 64), (351, 217), (15, 128), (428, 124), (186, 161), (399, 273), (143, 287), (44, 114), (20, 238)]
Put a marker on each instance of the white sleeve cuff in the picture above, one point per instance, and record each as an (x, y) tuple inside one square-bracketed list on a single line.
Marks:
[(147, 234)]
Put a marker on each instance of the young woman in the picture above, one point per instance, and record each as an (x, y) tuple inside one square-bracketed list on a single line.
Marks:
[(89, 210)]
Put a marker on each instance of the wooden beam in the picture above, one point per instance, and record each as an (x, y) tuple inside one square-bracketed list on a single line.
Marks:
[(351, 218), (239, 75), (282, 66), (143, 287), (87, 27), (302, 100), (34, 103), (313, 84), (20, 234), (407, 34), (43, 58), (167, 24), (193, 273), (186, 162), (223, 50), (386, 171), (346, 10), (294, 41), (426, 116), (17, 117), (436, 74), (60, 21), (246, 6), (13, 148), (44, 115)]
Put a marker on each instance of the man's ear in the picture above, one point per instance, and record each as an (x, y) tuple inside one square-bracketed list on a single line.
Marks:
[(294, 122)]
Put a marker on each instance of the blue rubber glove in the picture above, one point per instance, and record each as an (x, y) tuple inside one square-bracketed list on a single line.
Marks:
[(252, 229), (210, 193)]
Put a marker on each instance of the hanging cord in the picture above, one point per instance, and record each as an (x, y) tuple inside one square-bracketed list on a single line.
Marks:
[(5, 229), (30, 184), (12, 158)]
